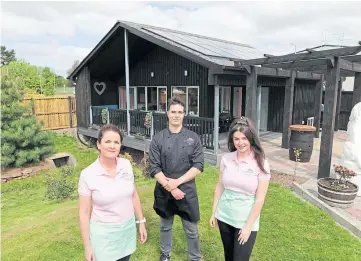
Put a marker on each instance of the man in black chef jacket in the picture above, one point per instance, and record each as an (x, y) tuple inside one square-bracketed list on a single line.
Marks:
[(176, 158)]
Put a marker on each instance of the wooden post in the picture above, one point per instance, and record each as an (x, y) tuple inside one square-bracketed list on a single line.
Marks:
[(259, 100), (108, 116), (33, 106), (90, 115), (152, 127), (318, 103), (251, 95), (328, 124), (127, 78), (338, 106), (70, 112), (288, 110), (356, 96), (216, 117)]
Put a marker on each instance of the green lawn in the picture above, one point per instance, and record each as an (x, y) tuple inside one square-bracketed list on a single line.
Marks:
[(34, 229), (64, 91)]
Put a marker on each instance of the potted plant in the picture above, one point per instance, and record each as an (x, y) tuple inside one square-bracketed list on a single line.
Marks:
[(339, 191), (104, 115), (301, 138), (139, 136), (148, 120)]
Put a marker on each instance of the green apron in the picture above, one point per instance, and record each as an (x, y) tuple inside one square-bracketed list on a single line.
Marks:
[(111, 242)]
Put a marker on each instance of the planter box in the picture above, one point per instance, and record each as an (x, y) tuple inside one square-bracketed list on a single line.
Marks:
[(139, 137), (334, 197)]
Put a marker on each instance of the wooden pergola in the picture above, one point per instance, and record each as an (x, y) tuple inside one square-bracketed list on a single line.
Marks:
[(331, 64)]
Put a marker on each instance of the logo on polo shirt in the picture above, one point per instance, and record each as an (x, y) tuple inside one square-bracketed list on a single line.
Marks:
[(126, 176), (189, 141)]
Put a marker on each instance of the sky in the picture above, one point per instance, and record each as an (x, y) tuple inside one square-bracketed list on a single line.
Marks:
[(55, 34)]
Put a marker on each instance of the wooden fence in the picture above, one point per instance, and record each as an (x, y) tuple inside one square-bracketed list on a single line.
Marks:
[(55, 112)]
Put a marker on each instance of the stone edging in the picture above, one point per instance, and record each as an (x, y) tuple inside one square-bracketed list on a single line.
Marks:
[(337, 216)]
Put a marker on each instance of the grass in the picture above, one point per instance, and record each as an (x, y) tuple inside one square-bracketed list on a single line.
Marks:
[(291, 229), (63, 91)]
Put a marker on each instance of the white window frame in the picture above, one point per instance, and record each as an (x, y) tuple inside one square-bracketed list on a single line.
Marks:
[(187, 95), (135, 96), (166, 98), (146, 96)]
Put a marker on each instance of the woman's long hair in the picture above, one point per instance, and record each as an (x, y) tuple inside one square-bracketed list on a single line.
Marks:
[(246, 126)]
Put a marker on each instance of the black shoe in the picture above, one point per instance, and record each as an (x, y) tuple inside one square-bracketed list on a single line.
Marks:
[(164, 257)]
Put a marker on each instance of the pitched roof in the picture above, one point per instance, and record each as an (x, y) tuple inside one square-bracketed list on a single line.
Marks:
[(210, 50), (213, 49)]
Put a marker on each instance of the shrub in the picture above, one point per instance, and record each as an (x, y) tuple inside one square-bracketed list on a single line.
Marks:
[(23, 141), (146, 165), (67, 171), (129, 157), (58, 187)]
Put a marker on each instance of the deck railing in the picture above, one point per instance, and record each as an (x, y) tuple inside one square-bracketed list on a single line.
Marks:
[(118, 117), (204, 127), (160, 121), (98, 115), (137, 119)]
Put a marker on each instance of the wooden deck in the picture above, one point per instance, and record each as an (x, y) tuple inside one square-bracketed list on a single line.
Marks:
[(210, 157), (138, 144)]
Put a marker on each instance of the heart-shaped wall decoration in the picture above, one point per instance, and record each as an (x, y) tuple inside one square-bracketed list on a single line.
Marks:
[(99, 87)]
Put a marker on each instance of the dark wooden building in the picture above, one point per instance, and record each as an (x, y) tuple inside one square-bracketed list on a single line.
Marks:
[(136, 68)]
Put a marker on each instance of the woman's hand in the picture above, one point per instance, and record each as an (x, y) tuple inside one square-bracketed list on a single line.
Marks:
[(244, 234), (89, 256), (213, 222), (142, 233)]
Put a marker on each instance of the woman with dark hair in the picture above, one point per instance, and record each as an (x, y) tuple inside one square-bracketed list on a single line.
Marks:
[(109, 202), (240, 192)]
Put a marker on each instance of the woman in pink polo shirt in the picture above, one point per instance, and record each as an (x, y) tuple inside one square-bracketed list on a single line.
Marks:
[(109, 202), (240, 192)]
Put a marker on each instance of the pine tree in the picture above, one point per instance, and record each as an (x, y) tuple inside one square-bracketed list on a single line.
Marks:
[(23, 142)]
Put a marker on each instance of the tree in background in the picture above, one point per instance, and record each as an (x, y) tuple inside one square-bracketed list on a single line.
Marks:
[(23, 142), (34, 79), (7, 56), (73, 67)]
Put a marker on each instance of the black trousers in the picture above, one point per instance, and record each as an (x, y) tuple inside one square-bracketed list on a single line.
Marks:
[(126, 258), (233, 251)]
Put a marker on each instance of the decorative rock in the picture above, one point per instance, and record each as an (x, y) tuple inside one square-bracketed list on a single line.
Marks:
[(60, 159), (351, 157)]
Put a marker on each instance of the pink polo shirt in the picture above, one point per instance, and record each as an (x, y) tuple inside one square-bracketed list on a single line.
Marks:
[(242, 176), (112, 196)]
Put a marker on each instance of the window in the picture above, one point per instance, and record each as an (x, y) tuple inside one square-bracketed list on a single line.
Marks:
[(144, 98), (141, 101), (123, 97), (162, 99), (190, 96), (225, 99)]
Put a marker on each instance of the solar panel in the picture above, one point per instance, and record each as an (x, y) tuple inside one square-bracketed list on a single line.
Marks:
[(208, 46)]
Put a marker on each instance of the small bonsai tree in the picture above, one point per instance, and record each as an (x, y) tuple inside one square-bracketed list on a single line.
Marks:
[(297, 153), (345, 175)]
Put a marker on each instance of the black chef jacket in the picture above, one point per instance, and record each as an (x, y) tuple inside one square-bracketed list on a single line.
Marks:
[(174, 154)]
